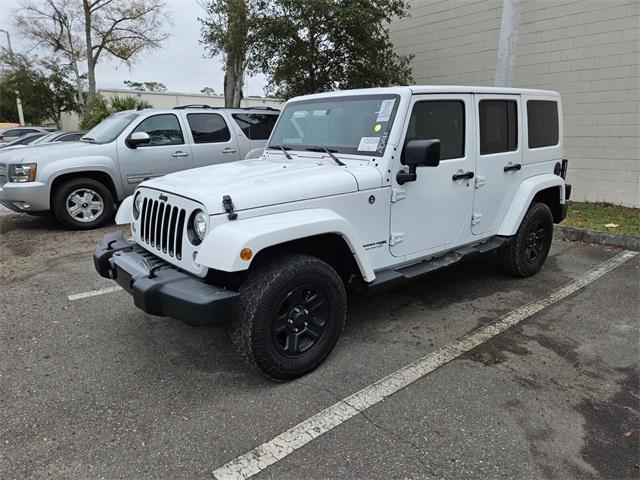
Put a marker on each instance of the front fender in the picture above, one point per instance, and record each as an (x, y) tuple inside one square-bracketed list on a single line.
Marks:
[(124, 215), (221, 248), (94, 163), (523, 198)]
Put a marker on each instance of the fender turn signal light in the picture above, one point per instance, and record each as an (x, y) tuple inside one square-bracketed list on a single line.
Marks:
[(246, 254)]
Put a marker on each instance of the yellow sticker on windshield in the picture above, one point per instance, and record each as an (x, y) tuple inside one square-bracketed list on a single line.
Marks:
[(377, 128)]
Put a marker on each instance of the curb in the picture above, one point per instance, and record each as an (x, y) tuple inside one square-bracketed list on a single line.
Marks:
[(599, 238)]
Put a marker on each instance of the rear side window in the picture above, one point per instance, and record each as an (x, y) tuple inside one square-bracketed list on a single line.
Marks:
[(208, 128), (498, 126), (439, 120), (256, 126), (163, 130), (542, 121)]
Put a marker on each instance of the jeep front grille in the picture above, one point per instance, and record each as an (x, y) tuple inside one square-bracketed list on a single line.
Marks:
[(161, 226)]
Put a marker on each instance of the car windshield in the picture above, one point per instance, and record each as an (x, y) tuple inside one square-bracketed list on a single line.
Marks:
[(43, 139), (357, 125), (107, 130)]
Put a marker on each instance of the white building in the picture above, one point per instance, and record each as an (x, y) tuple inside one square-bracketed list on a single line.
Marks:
[(588, 50)]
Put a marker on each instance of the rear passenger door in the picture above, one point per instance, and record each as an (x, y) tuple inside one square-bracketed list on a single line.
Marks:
[(212, 139), (499, 159)]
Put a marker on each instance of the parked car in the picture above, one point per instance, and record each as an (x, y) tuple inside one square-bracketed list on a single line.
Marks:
[(82, 182), (368, 188), (12, 133), (24, 140), (54, 137)]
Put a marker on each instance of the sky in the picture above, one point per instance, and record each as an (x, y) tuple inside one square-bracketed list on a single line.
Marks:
[(180, 63)]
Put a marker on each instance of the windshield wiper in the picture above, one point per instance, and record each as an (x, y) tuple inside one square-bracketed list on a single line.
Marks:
[(283, 149), (328, 152)]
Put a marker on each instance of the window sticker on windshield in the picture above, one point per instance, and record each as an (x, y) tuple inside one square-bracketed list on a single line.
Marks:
[(368, 144), (386, 107)]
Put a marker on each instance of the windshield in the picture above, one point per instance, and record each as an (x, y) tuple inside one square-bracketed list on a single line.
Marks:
[(358, 124), (43, 139), (107, 130)]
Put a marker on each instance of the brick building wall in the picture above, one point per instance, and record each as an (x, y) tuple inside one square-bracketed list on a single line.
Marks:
[(588, 50)]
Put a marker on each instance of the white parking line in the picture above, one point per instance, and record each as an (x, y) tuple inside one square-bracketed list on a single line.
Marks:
[(268, 453), (93, 293)]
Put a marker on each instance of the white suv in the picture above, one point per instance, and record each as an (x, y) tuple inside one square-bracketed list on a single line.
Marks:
[(366, 188)]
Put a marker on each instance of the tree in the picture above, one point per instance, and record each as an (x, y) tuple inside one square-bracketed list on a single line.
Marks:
[(146, 86), (208, 91), (314, 46), (45, 90), (102, 108), (227, 30), (88, 31)]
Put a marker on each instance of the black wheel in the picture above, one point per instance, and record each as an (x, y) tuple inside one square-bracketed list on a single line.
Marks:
[(83, 204), (528, 250), (290, 315)]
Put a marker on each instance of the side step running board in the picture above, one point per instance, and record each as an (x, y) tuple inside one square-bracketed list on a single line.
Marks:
[(390, 278)]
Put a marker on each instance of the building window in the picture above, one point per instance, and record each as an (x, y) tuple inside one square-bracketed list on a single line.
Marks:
[(208, 128), (542, 121), (256, 126), (439, 120), (498, 126)]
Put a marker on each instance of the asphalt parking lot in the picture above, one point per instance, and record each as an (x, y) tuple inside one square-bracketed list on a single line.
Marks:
[(94, 388)]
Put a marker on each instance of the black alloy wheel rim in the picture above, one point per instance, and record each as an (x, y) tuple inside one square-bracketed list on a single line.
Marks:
[(300, 321), (534, 243)]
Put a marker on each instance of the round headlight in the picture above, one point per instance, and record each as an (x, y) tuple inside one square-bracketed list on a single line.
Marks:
[(200, 224), (137, 205)]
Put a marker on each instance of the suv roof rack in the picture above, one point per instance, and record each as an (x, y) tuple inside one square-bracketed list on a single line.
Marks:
[(262, 107), (194, 105)]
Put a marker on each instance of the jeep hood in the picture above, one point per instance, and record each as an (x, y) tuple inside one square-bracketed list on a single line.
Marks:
[(261, 182), (50, 152)]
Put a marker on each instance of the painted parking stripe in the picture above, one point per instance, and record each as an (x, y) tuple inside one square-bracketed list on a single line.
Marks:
[(279, 447), (93, 293)]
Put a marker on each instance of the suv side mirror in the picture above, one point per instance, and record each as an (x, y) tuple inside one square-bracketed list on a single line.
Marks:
[(418, 153), (137, 138)]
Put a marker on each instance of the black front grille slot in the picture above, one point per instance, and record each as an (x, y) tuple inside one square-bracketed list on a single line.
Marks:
[(162, 226), (143, 218), (179, 232), (172, 230)]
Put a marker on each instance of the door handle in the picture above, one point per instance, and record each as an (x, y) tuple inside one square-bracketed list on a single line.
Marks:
[(512, 167), (229, 150), (462, 176), (180, 154)]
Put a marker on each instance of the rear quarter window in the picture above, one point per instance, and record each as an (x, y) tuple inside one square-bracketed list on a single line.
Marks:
[(256, 126), (543, 123)]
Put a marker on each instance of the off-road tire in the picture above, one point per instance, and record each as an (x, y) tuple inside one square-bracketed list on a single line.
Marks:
[(262, 294), (513, 258), (60, 198)]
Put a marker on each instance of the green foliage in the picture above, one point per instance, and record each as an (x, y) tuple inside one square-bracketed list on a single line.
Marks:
[(102, 108), (315, 46), (146, 86), (208, 91), (603, 217), (45, 91)]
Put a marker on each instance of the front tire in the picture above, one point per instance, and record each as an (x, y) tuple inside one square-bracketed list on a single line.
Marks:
[(528, 250), (83, 204), (291, 312)]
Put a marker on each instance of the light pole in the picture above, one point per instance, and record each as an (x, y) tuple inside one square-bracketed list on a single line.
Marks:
[(18, 102)]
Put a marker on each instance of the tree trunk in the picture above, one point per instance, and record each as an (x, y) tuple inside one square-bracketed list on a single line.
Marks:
[(233, 81), (79, 92), (91, 65)]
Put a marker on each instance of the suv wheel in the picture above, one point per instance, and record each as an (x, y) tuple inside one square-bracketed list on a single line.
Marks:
[(83, 204), (290, 315), (528, 250)]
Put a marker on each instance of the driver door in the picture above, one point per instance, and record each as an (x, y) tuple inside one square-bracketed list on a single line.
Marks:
[(433, 212), (166, 152)]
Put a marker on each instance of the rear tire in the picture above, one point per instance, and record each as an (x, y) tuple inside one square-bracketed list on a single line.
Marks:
[(83, 204), (290, 314), (528, 250)]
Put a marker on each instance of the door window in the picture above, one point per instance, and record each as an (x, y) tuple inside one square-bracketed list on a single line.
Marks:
[(208, 128), (542, 120), (498, 126), (439, 120), (256, 126), (163, 130)]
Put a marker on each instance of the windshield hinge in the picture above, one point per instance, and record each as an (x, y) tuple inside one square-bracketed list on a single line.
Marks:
[(397, 194), (227, 204), (396, 238)]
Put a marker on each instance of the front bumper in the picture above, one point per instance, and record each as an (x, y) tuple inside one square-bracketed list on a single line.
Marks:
[(25, 197), (159, 288)]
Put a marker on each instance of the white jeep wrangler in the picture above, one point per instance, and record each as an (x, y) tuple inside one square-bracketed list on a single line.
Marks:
[(366, 188)]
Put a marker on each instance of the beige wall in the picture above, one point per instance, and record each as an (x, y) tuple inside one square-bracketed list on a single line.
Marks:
[(588, 50), (173, 99)]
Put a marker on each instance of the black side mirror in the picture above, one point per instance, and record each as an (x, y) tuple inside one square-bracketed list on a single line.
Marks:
[(418, 153), (138, 138)]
